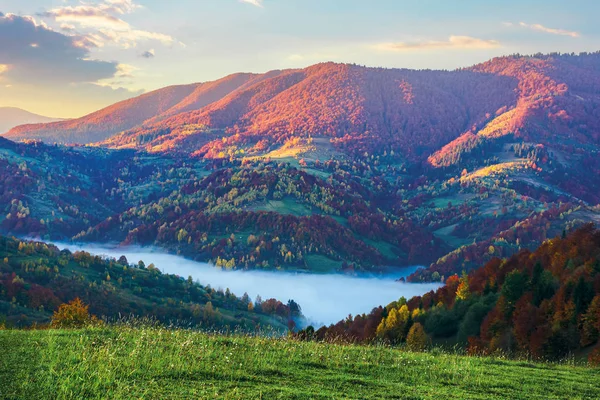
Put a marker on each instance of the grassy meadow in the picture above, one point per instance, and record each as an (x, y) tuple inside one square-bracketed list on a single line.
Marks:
[(155, 363)]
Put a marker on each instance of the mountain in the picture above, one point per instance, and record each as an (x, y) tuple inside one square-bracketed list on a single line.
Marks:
[(11, 117), (127, 114), (359, 107), (330, 168), (434, 115)]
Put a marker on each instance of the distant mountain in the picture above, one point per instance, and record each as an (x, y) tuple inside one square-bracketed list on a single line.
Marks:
[(131, 113), (436, 116), (359, 109), (11, 117)]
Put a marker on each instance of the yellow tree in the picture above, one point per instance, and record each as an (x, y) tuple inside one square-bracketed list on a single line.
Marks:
[(463, 292), (393, 327), (417, 338)]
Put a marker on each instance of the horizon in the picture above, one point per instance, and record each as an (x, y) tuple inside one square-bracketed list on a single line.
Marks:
[(72, 58)]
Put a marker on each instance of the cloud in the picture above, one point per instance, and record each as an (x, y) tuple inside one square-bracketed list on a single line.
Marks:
[(87, 16), (256, 3), (148, 54), (454, 42), (67, 28), (126, 70), (102, 24), (35, 53), (53, 73), (544, 29)]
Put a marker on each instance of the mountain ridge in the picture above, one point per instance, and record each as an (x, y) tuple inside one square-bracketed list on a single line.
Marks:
[(421, 114), (10, 117)]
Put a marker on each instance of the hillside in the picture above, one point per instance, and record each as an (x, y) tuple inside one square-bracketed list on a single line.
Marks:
[(35, 279), (271, 210), (11, 117), (332, 168), (334, 216), (156, 363), (543, 304), (557, 106)]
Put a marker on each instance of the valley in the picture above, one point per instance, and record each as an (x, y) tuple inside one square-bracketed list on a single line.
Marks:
[(260, 199), (324, 299), (369, 167)]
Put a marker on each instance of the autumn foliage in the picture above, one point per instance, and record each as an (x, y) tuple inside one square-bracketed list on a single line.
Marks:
[(544, 304), (75, 314)]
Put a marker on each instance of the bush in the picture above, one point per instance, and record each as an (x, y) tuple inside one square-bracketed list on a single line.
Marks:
[(73, 315)]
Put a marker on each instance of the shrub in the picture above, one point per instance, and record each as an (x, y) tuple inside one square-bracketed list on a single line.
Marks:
[(73, 315)]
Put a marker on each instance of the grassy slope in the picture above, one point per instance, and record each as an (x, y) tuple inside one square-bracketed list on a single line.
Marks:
[(151, 363)]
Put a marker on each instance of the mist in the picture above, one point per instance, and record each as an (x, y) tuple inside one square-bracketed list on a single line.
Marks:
[(324, 299)]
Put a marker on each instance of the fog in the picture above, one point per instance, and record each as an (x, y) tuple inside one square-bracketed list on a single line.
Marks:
[(324, 299)]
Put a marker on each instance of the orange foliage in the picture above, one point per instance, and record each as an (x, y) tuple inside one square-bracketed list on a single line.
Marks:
[(75, 314)]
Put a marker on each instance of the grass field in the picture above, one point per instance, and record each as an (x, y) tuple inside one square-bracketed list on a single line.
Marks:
[(151, 363)]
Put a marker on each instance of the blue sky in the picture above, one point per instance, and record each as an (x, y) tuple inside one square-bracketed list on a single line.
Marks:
[(95, 52)]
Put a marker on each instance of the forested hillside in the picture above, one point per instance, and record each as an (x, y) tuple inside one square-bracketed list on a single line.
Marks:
[(36, 278), (544, 304)]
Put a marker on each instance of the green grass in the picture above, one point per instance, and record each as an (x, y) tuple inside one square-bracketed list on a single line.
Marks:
[(445, 234), (284, 206), (386, 249), (317, 263), (150, 363)]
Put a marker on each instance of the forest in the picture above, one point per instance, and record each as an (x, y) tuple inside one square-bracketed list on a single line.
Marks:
[(543, 304), (36, 279)]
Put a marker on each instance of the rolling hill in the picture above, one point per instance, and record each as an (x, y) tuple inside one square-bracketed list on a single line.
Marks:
[(11, 117)]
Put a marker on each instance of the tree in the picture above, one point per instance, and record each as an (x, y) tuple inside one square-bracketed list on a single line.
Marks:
[(295, 309), (594, 357), (514, 286), (182, 235), (463, 292), (209, 312), (73, 315), (393, 327), (417, 338), (591, 323)]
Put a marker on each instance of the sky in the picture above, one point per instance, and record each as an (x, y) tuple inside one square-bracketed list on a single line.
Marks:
[(67, 58)]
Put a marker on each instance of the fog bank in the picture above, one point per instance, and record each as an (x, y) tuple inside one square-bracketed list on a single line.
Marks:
[(324, 299)]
